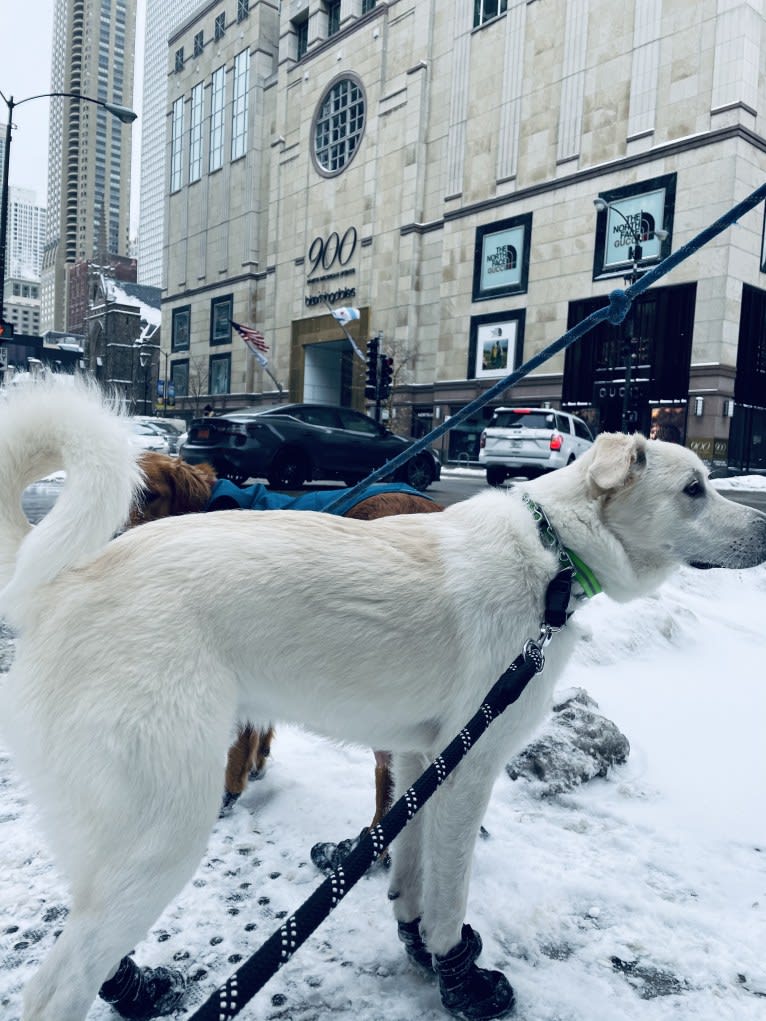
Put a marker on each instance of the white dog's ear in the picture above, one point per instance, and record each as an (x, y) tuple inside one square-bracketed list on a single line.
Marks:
[(615, 462)]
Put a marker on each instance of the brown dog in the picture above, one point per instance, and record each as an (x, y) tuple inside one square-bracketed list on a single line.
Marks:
[(174, 487)]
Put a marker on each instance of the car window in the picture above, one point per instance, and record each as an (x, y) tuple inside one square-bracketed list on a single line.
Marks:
[(527, 419), (562, 424), (324, 417), (357, 423), (582, 430), (144, 430)]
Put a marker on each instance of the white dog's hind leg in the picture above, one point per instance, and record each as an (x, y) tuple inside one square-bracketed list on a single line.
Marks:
[(107, 920), (144, 846)]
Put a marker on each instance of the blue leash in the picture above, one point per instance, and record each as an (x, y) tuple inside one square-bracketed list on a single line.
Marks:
[(615, 312)]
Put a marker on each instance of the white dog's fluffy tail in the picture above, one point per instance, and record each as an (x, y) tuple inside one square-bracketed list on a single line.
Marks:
[(46, 424)]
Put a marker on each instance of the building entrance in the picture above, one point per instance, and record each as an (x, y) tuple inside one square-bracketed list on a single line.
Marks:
[(327, 373), (634, 376)]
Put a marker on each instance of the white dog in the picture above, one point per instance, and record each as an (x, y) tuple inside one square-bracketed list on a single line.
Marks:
[(387, 633)]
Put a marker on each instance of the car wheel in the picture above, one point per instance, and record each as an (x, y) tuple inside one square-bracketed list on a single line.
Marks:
[(496, 476), (419, 473), (288, 471)]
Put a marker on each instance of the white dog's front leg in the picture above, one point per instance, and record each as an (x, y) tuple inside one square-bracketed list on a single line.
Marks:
[(452, 824), (406, 886)]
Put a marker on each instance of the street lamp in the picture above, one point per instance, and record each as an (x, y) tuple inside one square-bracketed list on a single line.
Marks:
[(122, 113), (145, 358), (145, 347), (635, 254)]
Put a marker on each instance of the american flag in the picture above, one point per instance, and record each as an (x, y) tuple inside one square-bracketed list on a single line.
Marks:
[(252, 337)]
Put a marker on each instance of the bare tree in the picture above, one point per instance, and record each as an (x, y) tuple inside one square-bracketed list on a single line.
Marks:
[(199, 384), (405, 356)]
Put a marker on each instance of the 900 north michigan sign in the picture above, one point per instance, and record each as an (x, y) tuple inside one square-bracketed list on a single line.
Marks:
[(331, 255)]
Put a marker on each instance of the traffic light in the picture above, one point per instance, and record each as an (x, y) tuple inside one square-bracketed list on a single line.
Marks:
[(386, 376), (371, 380), (6, 330)]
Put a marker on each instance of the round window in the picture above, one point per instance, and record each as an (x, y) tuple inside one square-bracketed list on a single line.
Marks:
[(339, 125)]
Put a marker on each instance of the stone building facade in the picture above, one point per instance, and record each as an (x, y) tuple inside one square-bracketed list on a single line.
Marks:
[(435, 165)]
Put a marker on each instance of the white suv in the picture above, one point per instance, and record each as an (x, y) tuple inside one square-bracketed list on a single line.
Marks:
[(529, 441)]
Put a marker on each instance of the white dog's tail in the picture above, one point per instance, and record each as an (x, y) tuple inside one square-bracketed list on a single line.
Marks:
[(46, 424)]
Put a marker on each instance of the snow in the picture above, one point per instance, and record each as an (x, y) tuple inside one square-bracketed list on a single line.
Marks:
[(639, 897), (149, 313)]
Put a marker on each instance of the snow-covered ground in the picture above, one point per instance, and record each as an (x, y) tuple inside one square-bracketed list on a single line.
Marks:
[(639, 897)]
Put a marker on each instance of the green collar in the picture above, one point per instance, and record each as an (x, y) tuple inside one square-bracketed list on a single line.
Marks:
[(582, 574)]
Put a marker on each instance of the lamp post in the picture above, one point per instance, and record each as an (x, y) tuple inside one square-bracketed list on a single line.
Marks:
[(635, 254), (145, 358), (146, 347), (122, 113)]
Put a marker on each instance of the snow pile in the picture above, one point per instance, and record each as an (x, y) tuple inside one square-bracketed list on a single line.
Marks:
[(640, 896)]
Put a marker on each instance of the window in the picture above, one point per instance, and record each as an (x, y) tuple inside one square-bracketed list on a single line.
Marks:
[(219, 25), (326, 418), (179, 377), (367, 5), (484, 10), (199, 43), (217, 106), (195, 133), (333, 17), (301, 38), (581, 430), (219, 374), (357, 423), (243, 9), (239, 104), (176, 145), (180, 328), (180, 59), (338, 126), (220, 320)]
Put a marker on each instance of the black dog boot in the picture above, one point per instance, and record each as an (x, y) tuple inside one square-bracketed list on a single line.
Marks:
[(468, 992), (418, 952), (143, 993)]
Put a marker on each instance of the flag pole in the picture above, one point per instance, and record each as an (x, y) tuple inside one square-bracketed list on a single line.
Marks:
[(268, 371), (349, 338)]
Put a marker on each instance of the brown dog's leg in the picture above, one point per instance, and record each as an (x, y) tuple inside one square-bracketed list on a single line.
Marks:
[(260, 752), (247, 760), (384, 786)]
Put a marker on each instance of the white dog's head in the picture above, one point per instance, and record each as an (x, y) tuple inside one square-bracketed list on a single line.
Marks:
[(644, 508)]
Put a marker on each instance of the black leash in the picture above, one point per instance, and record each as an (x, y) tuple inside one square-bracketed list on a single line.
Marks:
[(251, 976)]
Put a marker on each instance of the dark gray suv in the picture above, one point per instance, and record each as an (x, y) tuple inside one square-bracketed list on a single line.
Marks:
[(294, 443)]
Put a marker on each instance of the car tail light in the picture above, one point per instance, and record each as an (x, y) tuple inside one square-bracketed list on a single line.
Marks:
[(483, 440), (557, 441)]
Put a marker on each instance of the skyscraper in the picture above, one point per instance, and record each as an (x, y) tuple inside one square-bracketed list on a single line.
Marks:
[(90, 151), (26, 234), (162, 20)]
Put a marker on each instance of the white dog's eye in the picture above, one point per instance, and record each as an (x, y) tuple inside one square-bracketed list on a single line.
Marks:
[(695, 488)]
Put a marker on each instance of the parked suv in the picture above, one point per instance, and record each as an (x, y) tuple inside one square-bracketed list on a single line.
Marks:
[(530, 441), (292, 443)]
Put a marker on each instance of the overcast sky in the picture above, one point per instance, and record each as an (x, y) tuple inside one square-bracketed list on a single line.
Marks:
[(25, 70)]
